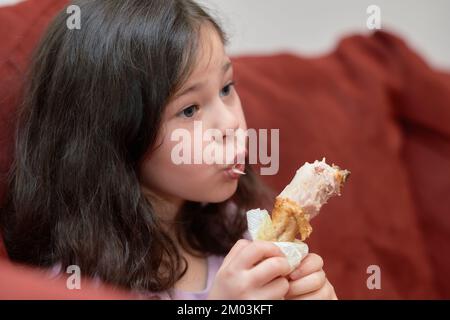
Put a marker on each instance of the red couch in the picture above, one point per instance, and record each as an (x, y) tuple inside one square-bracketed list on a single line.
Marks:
[(372, 106)]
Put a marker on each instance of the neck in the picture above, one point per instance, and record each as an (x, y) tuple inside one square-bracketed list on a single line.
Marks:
[(166, 208)]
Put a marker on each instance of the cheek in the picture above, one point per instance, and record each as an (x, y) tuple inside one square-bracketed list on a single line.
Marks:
[(194, 182), (240, 112)]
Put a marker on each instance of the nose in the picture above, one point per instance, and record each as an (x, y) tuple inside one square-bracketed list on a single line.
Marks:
[(227, 118), (228, 121)]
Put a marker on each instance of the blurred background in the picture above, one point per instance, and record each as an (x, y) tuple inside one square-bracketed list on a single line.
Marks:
[(314, 27)]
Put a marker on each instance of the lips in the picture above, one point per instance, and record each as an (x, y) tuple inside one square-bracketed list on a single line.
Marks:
[(235, 165), (235, 171), (238, 169)]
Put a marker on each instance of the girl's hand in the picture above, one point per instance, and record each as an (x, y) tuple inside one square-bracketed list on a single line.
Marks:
[(309, 282), (252, 270)]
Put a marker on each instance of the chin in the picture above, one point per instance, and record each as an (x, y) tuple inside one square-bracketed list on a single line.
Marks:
[(222, 194)]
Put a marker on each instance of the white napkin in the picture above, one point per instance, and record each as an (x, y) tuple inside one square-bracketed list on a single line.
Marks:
[(294, 252)]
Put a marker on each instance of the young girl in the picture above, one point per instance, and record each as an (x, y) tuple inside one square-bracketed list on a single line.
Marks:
[(94, 185)]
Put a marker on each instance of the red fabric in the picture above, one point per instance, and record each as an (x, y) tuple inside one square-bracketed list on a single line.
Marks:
[(18, 282), (371, 106)]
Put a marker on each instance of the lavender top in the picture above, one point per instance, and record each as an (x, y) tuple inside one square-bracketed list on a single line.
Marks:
[(213, 264)]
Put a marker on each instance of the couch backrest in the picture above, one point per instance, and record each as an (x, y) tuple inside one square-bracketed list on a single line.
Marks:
[(375, 107)]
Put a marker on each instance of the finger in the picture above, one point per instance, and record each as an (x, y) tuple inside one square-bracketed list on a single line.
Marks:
[(255, 252), (274, 290), (310, 264), (308, 284), (324, 293), (238, 246), (333, 295), (269, 269)]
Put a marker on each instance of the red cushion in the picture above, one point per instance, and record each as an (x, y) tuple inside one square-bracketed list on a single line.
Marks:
[(18, 282), (424, 112), (350, 106)]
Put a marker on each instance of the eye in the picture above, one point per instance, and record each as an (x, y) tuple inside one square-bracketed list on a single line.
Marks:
[(189, 112), (226, 90)]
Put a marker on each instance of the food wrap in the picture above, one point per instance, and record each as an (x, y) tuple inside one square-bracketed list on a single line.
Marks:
[(259, 221)]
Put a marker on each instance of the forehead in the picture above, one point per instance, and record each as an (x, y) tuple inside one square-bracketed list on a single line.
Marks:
[(211, 54)]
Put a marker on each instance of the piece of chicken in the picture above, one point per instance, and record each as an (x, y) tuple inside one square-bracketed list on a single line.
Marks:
[(301, 200)]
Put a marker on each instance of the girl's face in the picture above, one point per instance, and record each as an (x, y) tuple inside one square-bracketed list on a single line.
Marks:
[(208, 97)]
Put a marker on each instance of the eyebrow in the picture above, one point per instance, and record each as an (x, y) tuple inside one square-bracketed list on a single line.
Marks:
[(199, 85)]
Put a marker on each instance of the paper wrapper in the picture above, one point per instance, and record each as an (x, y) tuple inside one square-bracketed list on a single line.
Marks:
[(259, 221)]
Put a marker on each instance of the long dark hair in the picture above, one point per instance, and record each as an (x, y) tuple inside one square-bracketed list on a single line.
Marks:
[(92, 108)]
